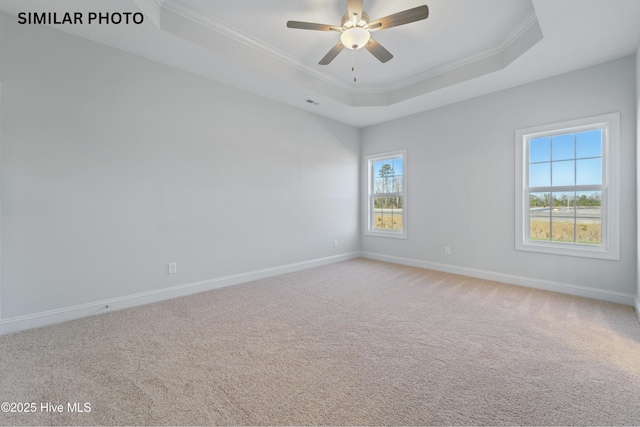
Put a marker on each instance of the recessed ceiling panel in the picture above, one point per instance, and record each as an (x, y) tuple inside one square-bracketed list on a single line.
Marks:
[(465, 48), (455, 30)]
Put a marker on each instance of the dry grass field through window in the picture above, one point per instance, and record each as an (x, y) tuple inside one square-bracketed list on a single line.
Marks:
[(388, 221), (563, 231)]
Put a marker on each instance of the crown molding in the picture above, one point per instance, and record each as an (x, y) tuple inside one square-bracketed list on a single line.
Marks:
[(529, 22), (526, 34), (247, 40)]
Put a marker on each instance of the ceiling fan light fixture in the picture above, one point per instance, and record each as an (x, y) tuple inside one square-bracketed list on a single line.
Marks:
[(356, 26), (355, 37)]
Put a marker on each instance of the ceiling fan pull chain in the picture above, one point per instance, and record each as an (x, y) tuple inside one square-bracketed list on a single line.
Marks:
[(353, 60), (353, 63)]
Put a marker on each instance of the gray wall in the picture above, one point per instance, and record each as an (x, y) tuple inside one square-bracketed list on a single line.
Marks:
[(461, 181), (113, 166)]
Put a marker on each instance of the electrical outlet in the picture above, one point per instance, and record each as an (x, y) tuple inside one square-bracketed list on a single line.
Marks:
[(447, 250), (173, 268), (335, 243)]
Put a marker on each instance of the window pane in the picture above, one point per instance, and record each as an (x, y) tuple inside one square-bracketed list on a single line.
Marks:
[(378, 185), (387, 213), (383, 185), (539, 200), (384, 169), (396, 184), (397, 167), (539, 216), (563, 217), (376, 168), (382, 202), (387, 202), (540, 150), (589, 171), (589, 217), (563, 147), (393, 220), (563, 173), (540, 175), (377, 220), (589, 144), (387, 176)]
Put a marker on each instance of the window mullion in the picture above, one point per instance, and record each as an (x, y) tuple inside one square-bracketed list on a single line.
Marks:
[(566, 188)]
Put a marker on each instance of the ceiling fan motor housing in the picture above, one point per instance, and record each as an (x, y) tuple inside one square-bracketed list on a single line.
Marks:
[(346, 18), (355, 36)]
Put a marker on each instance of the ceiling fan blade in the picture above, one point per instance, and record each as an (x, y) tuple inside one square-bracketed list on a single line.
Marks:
[(400, 18), (378, 51), (355, 7), (311, 26), (332, 54)]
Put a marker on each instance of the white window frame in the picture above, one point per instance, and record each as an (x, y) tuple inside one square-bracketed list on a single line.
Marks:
[(610, 247), (368, 202)]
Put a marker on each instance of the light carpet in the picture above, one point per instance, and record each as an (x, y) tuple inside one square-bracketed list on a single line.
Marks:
[(359, 342)]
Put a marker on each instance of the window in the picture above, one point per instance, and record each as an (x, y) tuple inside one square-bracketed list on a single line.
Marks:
[(567, 188), (386, 197)]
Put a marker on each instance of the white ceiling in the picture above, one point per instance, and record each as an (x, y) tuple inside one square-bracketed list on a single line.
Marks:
[(465, 48)]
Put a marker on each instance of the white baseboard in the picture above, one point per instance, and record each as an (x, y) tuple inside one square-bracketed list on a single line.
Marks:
[(565, 288), (21, 323)]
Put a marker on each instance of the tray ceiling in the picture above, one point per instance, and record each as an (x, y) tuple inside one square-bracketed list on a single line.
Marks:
[(465, 48)]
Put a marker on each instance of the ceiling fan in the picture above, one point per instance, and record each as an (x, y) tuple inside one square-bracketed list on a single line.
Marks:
[(356, 27)]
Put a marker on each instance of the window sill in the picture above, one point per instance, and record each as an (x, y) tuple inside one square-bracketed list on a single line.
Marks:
[(391, 234), (585, 251)]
